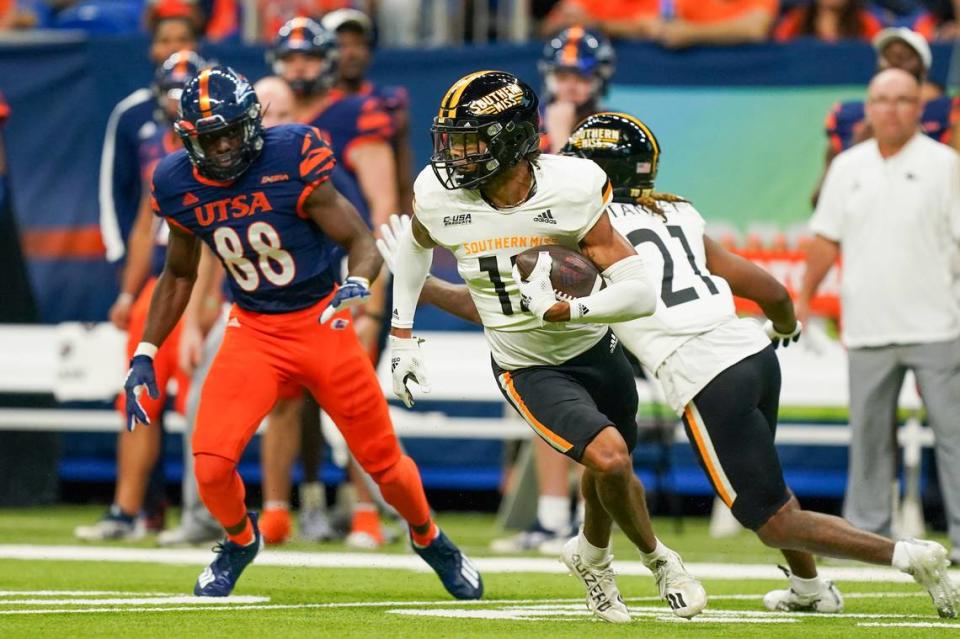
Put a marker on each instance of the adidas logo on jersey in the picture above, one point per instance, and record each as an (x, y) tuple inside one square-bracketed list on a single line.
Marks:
[(545, 218), (190, 199), (584, 311), (457, 220)]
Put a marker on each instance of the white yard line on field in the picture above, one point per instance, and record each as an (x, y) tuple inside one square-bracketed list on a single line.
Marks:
[(490, 565)]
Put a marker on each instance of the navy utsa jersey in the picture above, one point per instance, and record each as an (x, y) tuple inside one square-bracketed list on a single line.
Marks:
[(277, 259), (351, 121), (845, 120)]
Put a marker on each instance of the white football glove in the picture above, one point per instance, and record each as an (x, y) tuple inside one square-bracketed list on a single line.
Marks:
[(390, 234), (406, 364), (537, 292), (779, 338)]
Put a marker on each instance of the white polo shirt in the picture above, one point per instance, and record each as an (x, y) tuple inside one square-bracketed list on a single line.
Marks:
[(898, 223)]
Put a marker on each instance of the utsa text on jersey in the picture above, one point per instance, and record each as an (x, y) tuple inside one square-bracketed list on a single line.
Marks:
[(239, 206)]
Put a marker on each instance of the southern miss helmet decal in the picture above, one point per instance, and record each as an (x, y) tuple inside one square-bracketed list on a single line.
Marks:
[(624, 147), (487, 122), (219, 101)]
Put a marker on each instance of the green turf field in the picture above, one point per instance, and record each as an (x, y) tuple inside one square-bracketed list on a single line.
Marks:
[(104, 597)]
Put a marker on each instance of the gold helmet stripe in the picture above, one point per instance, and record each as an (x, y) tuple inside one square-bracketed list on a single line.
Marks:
[(451, 100)]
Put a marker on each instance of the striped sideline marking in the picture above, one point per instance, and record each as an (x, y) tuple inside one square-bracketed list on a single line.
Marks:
[(490, 565)]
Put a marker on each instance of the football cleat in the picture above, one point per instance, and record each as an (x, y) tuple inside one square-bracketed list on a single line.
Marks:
[(115, 526), (458, 575), (532, 539), (827, 601), (219, 578), (926, 562), (315, 526), (188, 536), (603, 596), (682, 592)]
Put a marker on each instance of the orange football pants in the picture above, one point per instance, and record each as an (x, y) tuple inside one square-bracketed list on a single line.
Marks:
[(261, 355), (166, 364)]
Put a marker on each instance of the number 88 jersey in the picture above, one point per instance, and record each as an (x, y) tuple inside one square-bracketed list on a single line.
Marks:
[(277, 259)]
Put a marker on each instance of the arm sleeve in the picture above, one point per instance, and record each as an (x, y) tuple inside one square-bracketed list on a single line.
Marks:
[(827, 219), (413, 265), (629, 294)]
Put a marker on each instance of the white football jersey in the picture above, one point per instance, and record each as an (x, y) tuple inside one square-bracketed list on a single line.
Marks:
[(695, 308), (570, 197)]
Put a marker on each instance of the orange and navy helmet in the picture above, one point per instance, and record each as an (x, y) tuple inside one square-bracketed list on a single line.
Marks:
[(305, 36), (171, 76), (488, 122), (624, 147), (218, 102), (585, 52)]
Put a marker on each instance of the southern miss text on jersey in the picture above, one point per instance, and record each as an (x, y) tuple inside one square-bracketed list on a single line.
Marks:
[(277, 259), (692, 302), (570, 197)]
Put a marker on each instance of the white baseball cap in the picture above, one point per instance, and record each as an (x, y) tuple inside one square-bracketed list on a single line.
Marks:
[(910, 37)]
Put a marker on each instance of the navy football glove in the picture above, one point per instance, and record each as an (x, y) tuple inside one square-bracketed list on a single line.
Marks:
[(354, 291), (139, 376)]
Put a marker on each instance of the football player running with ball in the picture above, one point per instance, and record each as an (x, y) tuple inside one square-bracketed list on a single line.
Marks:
[(487, 196), (262, 200), (720, 373)]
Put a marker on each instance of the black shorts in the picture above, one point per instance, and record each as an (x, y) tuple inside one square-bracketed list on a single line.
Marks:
[(731, 425), (569, 404)]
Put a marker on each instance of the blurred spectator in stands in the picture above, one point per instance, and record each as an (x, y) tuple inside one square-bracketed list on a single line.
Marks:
[(215, 20), (133, 120), (275, 13), (576, 66), (682, 23), (891, 207), (900, 48), (829, 20), (923, 16)]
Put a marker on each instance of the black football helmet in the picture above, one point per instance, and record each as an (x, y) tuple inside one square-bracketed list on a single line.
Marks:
[(217, 102), (306, 36), (623, 146), (487, 122), (170, 78)]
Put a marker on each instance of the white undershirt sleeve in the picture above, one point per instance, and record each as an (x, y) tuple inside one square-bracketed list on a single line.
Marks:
[(629, 294), (413, 265)]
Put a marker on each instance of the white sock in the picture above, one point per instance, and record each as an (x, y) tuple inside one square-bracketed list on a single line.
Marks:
[(901, 560), (313, 496), (277, 504), (590, 553), (554, 513), (659, 551), (810, 586), (581, 510)]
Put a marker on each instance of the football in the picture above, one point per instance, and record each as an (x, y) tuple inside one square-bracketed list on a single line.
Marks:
[(572, 273)]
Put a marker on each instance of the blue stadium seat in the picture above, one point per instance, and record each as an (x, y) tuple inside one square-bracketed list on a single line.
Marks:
[(102, 17)]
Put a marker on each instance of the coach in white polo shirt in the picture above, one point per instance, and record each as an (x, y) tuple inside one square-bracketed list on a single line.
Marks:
[(891, 205)]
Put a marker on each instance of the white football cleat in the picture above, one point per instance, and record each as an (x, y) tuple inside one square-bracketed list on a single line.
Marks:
[(926, 562), (112, 528), (827, 601), (682, 592), (603, 596)]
